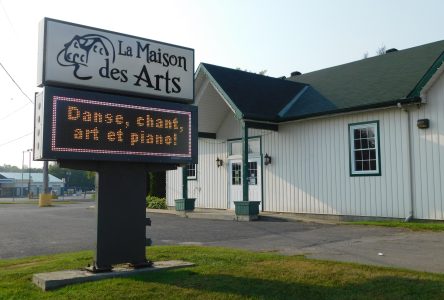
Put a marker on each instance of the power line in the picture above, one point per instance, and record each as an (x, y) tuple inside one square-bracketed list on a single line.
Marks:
[(11, 141), (7, 16), (15, 111), (16, 84)]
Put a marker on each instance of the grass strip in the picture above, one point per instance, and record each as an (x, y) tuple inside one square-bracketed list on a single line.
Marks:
[(222, 273), (413, 225)]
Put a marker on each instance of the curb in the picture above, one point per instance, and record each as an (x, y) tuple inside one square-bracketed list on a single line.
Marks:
[(230, 216)]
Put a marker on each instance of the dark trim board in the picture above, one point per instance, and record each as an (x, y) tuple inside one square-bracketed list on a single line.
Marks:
[(427, 76), (207, 135), (249, 137), (266, 126), (394, 103)]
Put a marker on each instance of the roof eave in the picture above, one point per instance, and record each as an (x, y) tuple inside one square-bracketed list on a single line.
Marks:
[(425, 80), (391, 103)]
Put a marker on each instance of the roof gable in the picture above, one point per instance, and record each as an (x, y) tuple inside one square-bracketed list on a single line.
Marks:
[(256, 96), (307, 103)]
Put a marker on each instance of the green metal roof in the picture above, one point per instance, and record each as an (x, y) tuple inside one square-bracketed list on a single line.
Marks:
[(384, 78), (378, 81)]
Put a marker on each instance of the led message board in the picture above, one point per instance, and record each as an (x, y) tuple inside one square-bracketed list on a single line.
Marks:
[(74, 124), (73, 55)]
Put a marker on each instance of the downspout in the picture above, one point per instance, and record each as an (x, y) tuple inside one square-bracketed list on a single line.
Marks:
[(410, 163), (245, 174), (184, 182)]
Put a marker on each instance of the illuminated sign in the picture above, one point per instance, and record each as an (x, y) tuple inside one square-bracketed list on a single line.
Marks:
[(74, 55), (73, 124)]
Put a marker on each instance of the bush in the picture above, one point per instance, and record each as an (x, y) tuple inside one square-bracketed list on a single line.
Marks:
[(54, 196), (156, 202)]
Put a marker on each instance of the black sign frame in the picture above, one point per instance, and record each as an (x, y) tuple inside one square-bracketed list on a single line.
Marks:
[(44, 138)]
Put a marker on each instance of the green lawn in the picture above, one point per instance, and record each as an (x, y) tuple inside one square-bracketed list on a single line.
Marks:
[(413, 225), (222, 273)]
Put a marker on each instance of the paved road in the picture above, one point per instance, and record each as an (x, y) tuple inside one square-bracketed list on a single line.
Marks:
[(28, 230)]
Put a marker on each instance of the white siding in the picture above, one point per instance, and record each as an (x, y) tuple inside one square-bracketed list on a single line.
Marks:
[(173, 186), (230, 128), (210, 187), (310, 168), (428, 153)]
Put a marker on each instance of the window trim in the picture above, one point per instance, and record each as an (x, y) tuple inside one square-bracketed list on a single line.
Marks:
[(195, 172), (352, 126), (250, 138)]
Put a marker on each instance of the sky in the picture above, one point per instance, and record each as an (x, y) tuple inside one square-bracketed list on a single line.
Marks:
[(279, 36)]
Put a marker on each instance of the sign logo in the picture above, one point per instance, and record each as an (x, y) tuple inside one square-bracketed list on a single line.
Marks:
[(82, 49)]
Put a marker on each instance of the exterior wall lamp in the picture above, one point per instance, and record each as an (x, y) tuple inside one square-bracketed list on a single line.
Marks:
[(423, 123), (219, 162), (267, 159)]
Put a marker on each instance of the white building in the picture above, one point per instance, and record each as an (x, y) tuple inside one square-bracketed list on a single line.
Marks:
[(18, 184), (363, 139)]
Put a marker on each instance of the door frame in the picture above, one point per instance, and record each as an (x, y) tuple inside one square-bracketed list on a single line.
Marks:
[(237, 157)]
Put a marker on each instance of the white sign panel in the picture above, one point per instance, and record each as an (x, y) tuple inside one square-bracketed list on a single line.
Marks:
[(78, 56)]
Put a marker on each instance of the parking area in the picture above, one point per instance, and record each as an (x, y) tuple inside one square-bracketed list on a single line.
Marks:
[(27, 230)]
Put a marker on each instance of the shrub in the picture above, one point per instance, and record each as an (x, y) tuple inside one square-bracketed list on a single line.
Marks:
[(156, 202), (54, 196)]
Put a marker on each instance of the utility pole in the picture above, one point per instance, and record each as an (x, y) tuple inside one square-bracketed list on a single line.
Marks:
[(45, 177), (23, 168), (29, 174)]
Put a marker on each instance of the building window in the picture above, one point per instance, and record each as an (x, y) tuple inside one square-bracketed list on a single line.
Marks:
[(364, 149), (192, 171), (252, 172), (236, 173)]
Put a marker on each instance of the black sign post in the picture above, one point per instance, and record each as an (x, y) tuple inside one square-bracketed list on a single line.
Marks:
[(120, 212), (121, 216)]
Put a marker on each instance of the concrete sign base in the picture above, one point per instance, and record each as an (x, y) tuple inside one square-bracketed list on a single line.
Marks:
[(53, 280)]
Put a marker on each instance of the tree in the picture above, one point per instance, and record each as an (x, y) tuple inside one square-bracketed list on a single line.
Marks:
[(9, 168), (78, 179), (381, 50), (15, 169), (262, 72)]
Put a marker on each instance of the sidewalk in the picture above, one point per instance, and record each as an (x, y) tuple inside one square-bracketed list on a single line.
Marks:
[(228, 215)]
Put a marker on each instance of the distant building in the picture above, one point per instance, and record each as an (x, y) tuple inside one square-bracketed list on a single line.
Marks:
[(17, 184), (363, 139)]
